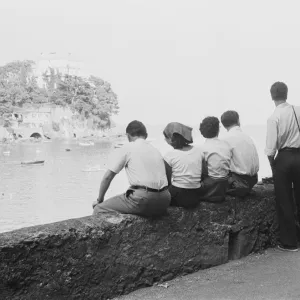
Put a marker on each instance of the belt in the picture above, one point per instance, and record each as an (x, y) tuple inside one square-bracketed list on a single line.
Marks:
[(289, 149), (141, 187)]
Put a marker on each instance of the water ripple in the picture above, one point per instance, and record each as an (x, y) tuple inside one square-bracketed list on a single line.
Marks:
[(57, 190)]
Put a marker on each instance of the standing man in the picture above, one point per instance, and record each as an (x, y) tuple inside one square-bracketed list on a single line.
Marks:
[(283, 136), (244, 164), (148, 193)]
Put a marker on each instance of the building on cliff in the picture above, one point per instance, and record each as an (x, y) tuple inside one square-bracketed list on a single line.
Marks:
[(52, 121), (63, 63), (32, 116)]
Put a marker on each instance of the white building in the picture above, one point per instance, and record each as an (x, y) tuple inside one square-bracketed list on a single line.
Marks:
[(64, 64)]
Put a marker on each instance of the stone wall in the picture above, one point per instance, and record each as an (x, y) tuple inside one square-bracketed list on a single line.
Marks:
[(99, 257)]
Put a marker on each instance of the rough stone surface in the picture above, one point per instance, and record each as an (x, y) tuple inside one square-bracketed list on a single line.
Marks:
[(99, 257)]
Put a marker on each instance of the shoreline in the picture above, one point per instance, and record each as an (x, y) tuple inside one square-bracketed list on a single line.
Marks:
[(89, 138)]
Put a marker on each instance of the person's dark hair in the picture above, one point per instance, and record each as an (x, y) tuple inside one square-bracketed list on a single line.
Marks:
[(279, 91), (177, 140), (230, 118), (136, 128), (209, 127)]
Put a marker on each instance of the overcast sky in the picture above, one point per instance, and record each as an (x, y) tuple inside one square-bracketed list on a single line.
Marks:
[(168, 60)]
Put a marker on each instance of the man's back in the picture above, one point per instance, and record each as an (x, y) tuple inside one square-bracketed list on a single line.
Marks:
[(244, 159), (217, 155), (283, 131), (148, 193), (143, 163)]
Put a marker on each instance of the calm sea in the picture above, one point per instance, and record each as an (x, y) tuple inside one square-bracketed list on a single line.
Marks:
[(68, 182)]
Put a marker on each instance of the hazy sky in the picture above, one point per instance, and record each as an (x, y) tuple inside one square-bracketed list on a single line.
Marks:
[(168, 60)]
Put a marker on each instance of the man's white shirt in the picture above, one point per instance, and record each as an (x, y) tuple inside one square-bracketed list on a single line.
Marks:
[(282, 129), (244, 160)]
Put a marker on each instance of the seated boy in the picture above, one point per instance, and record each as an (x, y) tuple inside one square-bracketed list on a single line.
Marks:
[(217, 155), (244, 163)]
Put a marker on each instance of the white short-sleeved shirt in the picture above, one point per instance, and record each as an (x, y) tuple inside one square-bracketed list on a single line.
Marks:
[(282, 129), (143, 163), (217, 155), (244, 159), (186, 167)]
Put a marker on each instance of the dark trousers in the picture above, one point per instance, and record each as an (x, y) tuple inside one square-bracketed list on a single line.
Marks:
[(241, 185), (187, 198), (213, 189), (287, 193)]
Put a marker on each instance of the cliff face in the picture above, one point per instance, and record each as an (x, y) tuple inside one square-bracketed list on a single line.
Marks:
[(53, 121), (99, 257), (4, 134)]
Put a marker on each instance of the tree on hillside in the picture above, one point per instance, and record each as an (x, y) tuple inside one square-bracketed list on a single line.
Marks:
[(18, 86), (91, 98), (105, 101)]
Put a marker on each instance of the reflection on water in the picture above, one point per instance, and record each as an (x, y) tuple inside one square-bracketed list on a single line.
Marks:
[(67, 184)]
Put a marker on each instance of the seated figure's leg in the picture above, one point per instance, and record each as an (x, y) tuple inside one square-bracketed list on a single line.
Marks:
[(214, 189), (174, 192), (136, 202), (253, 181), (187, 198), (240, 185), (150, 204), (117, 203)]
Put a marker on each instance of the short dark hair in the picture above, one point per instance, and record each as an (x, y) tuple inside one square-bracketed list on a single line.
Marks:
[(209, 127), (279, 91), (230, 118), (136, 128), (177, 140)]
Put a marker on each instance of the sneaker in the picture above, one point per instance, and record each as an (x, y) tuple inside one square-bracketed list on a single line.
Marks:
[(287, 248)]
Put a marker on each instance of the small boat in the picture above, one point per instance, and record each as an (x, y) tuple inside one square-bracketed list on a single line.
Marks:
[(33, 162), (119, 145), (68, 149), (6, 152), (86, 143)]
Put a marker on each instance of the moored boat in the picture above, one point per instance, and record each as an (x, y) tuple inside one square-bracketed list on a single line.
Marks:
[(119, 145), (86, 143), (33, 162)]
